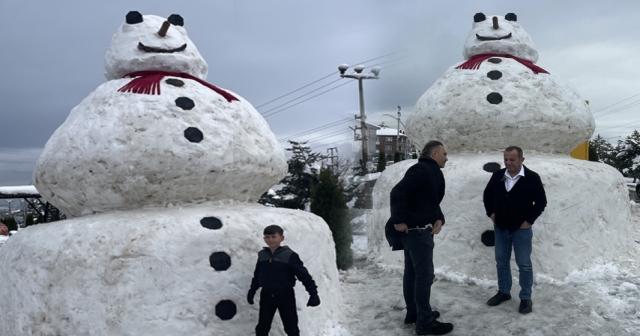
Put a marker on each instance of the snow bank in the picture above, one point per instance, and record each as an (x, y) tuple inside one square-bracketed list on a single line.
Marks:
[(149, 272), (587, 219)]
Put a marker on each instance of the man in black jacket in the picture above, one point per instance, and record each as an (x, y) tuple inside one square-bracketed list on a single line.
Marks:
[(415, 218), (513, 199)]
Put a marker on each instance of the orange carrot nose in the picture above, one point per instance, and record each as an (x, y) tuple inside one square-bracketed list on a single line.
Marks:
[(165, 26), (495, 23)]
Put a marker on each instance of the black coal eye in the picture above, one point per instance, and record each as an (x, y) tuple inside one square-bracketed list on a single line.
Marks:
[(479, 17), (176, 20), (134, 17), (511, 17)]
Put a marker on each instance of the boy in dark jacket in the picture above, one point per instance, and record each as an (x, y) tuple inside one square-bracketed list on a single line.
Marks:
[(276, 272)]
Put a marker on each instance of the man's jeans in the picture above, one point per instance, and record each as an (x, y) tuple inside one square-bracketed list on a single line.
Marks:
[(521, 242), (418, 273)]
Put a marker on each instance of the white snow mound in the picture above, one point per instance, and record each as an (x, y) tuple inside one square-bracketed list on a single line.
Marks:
[(539, 112), (587, 219), (121, 150), (148, 272)]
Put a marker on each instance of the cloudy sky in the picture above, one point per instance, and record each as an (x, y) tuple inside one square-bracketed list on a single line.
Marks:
[(52, 57)]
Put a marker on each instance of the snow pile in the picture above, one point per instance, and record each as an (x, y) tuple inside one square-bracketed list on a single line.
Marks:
[(578, 229), (17, 190), (158, 272), (538, 112), (123, 150), (124, 54)]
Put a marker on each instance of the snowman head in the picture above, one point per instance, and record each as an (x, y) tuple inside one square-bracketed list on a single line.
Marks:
[(151, 42), (499, 35)]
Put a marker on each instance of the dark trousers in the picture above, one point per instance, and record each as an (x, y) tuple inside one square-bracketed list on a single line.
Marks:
[(285, 303), (418, 273)]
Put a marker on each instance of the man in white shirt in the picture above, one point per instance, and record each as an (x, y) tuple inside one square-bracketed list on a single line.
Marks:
[(513, 199)]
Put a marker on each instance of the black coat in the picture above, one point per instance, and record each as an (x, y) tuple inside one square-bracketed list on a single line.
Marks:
[(524, 202), (277, 272), (415, 200)]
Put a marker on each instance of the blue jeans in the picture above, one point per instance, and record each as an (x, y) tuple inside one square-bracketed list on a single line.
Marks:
[(418, 273), (521, 242)]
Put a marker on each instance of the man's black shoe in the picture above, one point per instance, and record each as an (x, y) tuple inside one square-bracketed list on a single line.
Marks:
[(411, 318), (434, 328), (526, 306), (498, 299)]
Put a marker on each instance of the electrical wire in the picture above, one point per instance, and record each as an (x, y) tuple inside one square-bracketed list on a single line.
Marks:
[(325, 126), (292, 100), (321, 93)]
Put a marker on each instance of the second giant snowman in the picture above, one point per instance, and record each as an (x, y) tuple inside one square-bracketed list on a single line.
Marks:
[(159, 170), (499, 97)]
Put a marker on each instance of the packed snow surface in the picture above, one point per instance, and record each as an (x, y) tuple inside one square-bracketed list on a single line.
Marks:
[(121, 150), (148, 272), (538, 111), (16, 190), (124, 55), (519, 44), (586, 221)]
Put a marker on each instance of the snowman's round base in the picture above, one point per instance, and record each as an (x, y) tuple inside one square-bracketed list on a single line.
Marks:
[(587, 218), (170, 271)]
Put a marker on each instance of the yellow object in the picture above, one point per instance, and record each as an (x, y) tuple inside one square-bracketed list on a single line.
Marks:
[(581, 152)]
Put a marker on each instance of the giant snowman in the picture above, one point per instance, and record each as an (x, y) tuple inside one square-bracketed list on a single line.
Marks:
[(496, 98), (159, 170)]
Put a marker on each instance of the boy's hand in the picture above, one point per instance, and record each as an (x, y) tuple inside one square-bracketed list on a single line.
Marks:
[(314, 300), (250, 296)]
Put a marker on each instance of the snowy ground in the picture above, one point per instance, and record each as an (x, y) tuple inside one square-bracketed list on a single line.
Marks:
[(603, 300)]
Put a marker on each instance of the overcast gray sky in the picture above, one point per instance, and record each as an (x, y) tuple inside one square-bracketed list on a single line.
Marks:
[(52, 57)]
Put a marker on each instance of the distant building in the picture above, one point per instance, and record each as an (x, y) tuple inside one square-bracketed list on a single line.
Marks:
[(389, 141)]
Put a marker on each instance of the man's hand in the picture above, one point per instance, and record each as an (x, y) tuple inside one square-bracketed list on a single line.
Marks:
[(314, 301), (525, 225), (437, 226), (493, 218), (402, 227), (250, 296)]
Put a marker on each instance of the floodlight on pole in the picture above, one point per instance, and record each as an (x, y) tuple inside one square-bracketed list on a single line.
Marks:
[(357, 74)]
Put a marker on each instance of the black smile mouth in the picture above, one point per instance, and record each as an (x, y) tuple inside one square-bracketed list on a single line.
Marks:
[(160, 50), (487, 38)]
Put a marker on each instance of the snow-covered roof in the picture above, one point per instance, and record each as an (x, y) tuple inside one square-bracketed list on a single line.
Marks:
[(19, 192), (389, 132)]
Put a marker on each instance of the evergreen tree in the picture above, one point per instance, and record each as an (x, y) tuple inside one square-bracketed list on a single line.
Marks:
[(10, 222), (327, 202), (382, 163), (629, 156), (301, 177), (593, 154), (414, 156), (29, 220), (397, 157), (602, 148)]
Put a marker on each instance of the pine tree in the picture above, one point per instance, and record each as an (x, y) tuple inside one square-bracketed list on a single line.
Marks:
[(630, 155), (382, 163), (602, 148), (10, 222), (327, 202), (397, 157), (301, 177)]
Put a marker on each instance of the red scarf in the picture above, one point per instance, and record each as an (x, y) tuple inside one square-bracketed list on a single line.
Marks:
[(473, 63), (148, 82)]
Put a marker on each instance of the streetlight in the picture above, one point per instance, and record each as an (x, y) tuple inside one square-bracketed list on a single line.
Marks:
[(357, 74)]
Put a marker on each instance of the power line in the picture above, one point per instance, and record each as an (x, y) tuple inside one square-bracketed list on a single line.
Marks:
[(321, 93), (324, 136), (604, 108), (331, 124), (298, 89), (292, 100), (327, 76)]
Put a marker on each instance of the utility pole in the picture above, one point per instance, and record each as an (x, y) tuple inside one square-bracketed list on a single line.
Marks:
[(398, 132), (334, 164), (357, 74)]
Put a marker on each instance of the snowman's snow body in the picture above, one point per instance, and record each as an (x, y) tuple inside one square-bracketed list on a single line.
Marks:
[(164, 239), (479, 109)]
